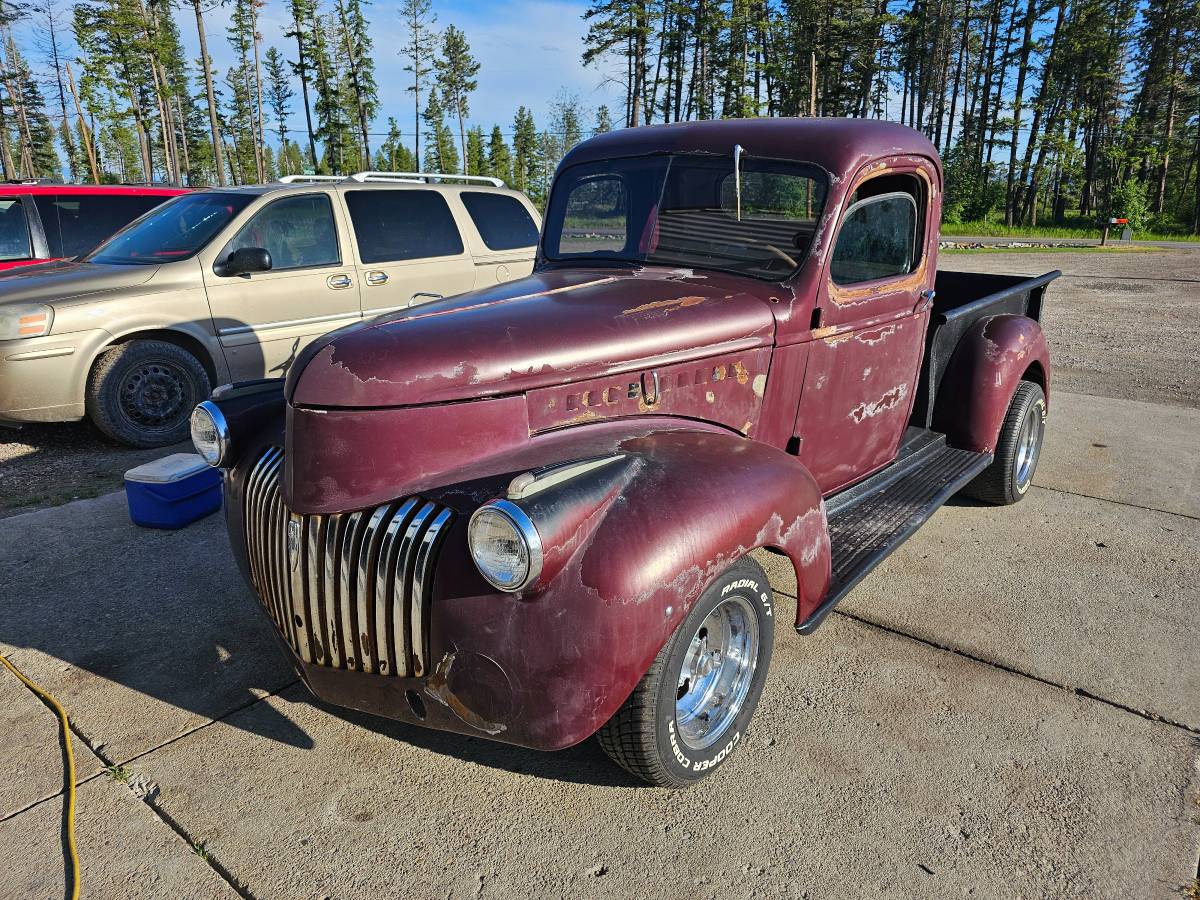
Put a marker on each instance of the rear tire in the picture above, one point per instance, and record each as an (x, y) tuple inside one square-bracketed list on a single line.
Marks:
[(142, 393), (690, 710), (1008, 478)]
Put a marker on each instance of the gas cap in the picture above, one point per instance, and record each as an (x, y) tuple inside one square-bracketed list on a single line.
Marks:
[(502, 274)]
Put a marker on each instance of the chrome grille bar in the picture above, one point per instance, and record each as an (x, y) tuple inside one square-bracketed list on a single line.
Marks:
[(348, 591)]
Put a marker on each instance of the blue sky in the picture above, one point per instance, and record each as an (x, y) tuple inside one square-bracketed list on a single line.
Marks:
[(529, 50)]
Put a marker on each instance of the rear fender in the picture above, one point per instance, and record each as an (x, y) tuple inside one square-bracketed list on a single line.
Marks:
[(991, 359), (629, 547)]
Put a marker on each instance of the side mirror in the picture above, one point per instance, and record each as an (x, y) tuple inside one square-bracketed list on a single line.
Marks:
[(244, 261)]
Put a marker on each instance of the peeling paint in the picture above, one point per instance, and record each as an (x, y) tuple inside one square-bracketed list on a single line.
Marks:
[(759, 385), (671, 304), (889, 400)]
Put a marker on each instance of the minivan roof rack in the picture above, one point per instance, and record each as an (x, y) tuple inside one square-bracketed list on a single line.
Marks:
[(400, 177)]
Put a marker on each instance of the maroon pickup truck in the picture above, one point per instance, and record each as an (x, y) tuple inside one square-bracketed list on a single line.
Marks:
[(527, 513)]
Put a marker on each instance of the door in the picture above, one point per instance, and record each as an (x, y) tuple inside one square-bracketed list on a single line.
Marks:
[(504, 237), (264, 319), (863, 366), (409, 248)]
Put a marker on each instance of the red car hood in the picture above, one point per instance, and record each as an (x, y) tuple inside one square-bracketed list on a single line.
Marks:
[(551, 328)]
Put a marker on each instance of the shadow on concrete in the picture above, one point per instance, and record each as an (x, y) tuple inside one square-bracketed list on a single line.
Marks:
[(584, 763), (157, 630)]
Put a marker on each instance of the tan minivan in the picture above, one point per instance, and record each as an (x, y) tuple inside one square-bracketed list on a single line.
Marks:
[(229, 284)]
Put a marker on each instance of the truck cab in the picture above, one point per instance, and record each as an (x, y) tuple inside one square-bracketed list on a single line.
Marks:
[(528, 512)]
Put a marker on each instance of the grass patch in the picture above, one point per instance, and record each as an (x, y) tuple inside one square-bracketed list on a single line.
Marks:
[(118, 773), (1076, 229), (1109, 248), (200, 848)]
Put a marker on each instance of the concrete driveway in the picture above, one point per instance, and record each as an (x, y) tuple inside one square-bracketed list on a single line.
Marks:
[(1009, 707)]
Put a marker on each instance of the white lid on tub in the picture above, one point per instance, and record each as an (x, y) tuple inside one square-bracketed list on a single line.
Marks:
[(171, 468)]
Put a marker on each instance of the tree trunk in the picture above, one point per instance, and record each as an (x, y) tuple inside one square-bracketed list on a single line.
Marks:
[(206, 61), (84, 131), (1018, 97)]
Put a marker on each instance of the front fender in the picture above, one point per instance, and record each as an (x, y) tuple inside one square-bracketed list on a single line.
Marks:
[(629, 547), (991, 359)]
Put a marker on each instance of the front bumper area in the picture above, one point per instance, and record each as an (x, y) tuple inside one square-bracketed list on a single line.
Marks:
[(43, 379)]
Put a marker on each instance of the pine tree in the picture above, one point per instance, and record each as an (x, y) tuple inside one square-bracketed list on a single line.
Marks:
[(476, 156), (304, 14), (422, 37), (499, 160), (441, 155), (456, 71), (526, 163), (279, 97), (360, 69), (603, 120)]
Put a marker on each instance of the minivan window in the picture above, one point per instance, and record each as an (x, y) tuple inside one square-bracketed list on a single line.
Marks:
[(298, 232), (14, 231), (394, 225), (75, 224), (503, 221), (176, 230)]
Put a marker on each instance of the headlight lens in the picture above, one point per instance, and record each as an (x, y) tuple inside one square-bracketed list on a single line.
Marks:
[(505, 545), (210, 433), (25, 320)]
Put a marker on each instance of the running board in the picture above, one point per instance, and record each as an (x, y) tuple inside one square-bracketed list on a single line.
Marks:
[(874, 517)]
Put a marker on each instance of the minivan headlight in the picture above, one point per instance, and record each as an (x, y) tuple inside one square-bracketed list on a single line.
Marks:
[(25, 320), (505, 545), (210, 433)]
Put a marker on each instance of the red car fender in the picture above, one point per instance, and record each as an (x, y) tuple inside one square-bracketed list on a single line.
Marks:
[(629, 548), (991, 359)]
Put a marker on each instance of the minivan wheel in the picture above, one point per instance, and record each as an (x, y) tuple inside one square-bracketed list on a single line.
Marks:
[(142, 393), (690, 711), (1018, 449)]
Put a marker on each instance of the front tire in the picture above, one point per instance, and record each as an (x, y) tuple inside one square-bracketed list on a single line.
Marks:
[(1018, 448), (142, 393), (690, 711)]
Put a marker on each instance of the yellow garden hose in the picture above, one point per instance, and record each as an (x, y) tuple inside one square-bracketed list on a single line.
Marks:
[(49, 700)]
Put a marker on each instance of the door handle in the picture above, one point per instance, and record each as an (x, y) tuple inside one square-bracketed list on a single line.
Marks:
[(340, 281), (412, 301), (377, 277)]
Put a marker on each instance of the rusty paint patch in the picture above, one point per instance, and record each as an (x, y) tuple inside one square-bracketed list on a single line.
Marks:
[(839, 339), (890, 400), (827, 331), (746, 428), (740, 371), (675, 303), (759, 385), (438, 688)]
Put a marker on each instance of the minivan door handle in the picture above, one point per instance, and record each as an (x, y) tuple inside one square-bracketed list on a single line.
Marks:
[(377, 277), (422, 297), (340, 281)]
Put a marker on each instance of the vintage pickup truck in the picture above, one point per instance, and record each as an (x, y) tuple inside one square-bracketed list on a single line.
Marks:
[(527, 513)]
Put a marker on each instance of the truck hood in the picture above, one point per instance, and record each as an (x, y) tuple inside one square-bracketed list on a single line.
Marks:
[(554, 327), (68, 280)]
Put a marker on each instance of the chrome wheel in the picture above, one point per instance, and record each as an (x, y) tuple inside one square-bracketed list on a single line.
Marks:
[(1029, 445), (717, 672)]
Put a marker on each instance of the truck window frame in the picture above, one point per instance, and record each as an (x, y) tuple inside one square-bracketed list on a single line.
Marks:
[(255, 213), (918, 194)]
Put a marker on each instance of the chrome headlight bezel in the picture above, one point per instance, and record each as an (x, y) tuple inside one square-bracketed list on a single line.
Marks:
[(220, 427), (523, 529)]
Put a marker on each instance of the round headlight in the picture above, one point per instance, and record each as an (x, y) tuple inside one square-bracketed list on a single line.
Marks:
[(210, 433), (505, 545)]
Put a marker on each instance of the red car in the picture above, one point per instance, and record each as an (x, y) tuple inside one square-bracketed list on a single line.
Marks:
[(45, 222), (526, 513)]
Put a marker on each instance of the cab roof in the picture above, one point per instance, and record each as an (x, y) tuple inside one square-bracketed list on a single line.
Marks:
[(840, 146)]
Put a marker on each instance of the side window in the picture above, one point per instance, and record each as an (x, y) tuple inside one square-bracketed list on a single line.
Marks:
[(298, 232), (394, 225), (878, 239), (14, 231), (77, 224), (503, 221), (596, 216)]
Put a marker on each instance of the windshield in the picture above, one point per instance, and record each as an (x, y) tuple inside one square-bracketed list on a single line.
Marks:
[(683, 210), (175, 230)]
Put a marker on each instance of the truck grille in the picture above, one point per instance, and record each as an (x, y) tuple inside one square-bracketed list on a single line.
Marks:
[(350, 590)]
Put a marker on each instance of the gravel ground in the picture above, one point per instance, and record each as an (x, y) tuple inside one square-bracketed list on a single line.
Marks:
[(1120, 324)]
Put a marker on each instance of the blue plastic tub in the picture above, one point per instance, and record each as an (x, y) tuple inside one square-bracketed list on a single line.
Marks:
[(173, 491)]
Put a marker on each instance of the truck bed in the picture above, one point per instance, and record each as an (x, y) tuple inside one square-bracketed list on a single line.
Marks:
[(960, 300)]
